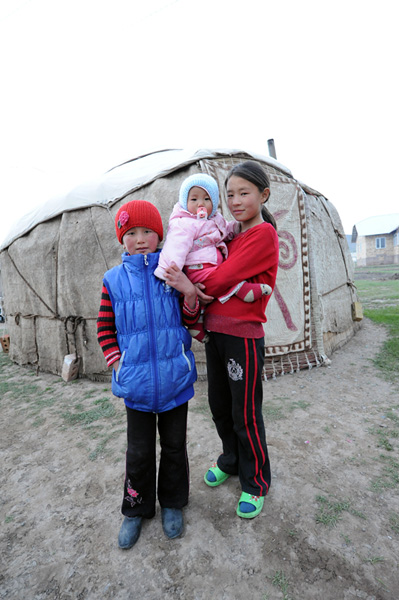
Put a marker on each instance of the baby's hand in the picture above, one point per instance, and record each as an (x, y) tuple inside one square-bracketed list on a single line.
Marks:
[(178, 280)]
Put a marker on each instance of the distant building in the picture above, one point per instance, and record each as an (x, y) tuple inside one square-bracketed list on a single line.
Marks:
[(377, 240), (351, 246)]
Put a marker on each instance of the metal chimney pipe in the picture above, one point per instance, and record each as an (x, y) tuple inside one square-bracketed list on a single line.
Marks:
[(272, 149)]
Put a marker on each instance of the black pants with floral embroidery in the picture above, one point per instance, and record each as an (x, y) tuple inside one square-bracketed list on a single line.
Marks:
[(141, 471)]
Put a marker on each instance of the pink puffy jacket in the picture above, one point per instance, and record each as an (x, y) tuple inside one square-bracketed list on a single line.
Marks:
[(192, 241)]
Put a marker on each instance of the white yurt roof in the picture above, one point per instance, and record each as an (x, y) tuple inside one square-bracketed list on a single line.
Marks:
[(378, 225), (120, 180)]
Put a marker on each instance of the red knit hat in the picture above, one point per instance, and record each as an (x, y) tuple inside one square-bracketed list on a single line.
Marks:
[(138, 213)]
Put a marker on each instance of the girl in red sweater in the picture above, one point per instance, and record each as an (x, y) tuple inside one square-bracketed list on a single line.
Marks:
[(235, 351)]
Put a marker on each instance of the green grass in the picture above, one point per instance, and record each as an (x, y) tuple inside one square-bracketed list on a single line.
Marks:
[(389, 478), (96, 421), (380, 300), (282, 582), (394, 522), (375, 293), (103, 409), (384, 270), (273, 412), (330, 512)]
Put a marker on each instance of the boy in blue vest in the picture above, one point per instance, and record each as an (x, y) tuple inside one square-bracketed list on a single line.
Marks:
[(141, 334)]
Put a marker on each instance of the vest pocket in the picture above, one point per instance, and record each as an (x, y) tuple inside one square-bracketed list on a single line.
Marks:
[(120, 366), (185, 356)]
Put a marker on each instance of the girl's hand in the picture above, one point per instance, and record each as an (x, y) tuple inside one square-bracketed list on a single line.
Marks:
[(178, 280), (202, 297), (115, 365)]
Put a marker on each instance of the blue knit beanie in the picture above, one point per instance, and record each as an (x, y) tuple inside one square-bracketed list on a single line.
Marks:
[(203, 181)]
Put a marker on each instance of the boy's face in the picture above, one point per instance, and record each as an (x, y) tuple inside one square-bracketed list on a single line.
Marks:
[(198, 197), (140, 240)]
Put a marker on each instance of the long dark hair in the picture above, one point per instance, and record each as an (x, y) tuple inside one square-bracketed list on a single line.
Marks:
[(254, 173)]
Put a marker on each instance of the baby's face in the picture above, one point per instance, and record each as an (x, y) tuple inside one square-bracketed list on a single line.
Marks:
[(197, 198), (140, 240)]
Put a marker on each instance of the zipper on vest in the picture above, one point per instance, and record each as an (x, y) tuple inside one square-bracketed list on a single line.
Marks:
[(150, 316)]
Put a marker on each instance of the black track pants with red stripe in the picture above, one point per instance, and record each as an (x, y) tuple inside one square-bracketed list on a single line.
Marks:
[(235, 393)]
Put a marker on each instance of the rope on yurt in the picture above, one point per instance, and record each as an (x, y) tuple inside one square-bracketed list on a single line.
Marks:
[(75, 322), (97, 238), (30, 287), (17, 319), (340, 236)]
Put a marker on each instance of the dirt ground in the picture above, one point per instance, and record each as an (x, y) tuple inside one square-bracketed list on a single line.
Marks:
[(330, 525)]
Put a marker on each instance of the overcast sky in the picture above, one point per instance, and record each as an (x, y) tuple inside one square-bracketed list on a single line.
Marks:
[(88, 84)]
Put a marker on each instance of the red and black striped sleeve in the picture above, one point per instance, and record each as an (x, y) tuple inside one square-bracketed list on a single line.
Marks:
[(106, 331), (190, 315)]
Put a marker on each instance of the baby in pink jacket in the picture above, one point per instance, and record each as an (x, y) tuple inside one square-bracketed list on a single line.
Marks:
[(196, 240)]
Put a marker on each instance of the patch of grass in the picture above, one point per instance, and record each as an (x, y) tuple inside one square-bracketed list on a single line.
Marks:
[(374, 294), (384, 270), (4, 358), (273, 413), (101, 449), (373, 560), (330, 512), (393, 416), (385, 435), (18, 390), (90, 394), (282, 582), (104, 409), (380, 300), (347, 540), (387, 359), (299, 404), (357, 513), (390, 474), (382, 584), (394, 522)]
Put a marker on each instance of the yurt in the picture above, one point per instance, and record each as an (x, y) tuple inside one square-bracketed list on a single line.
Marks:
[(53, 261)]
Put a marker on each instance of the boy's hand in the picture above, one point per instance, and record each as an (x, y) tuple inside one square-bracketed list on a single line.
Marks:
[(115, 365)]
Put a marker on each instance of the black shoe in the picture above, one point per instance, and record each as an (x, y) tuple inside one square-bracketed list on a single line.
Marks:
[(129, 532), (172, 522)]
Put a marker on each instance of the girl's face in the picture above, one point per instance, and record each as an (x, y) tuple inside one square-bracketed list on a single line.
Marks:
[(245, 201), (198, 197), (140, 240)]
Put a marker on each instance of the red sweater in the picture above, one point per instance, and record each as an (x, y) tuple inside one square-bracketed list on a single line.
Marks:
[(253, 256)]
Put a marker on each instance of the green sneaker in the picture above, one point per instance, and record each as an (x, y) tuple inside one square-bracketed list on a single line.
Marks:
[(214, 476)]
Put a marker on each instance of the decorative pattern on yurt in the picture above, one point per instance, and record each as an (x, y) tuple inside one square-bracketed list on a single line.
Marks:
[(52, 268)]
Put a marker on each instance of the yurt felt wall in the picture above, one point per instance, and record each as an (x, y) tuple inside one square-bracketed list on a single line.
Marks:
[(52, 275)]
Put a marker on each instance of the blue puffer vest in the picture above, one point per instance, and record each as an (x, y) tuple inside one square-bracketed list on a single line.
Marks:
[(157, 368)]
